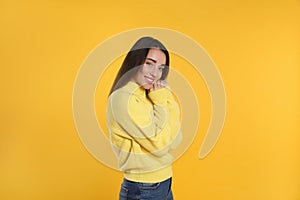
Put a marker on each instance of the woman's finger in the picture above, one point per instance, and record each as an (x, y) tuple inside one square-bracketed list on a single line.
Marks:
[(164, 83), (158, 84)]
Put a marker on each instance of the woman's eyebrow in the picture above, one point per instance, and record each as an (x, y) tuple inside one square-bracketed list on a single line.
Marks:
[(151, 59), (163, 65)]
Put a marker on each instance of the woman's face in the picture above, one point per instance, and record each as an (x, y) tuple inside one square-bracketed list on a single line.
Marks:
[(151, 70)]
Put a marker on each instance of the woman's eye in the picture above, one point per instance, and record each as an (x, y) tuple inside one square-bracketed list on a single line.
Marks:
[(149, 64)]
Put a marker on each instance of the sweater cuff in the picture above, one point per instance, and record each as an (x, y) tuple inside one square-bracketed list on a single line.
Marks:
[(159, 97)]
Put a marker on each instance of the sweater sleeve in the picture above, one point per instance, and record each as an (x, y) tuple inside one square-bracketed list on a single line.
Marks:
[(155, 131)]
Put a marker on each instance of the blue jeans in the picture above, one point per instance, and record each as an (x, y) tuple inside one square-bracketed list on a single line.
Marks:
[(146, 191)]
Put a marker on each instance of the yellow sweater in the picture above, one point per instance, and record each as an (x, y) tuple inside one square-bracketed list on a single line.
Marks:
[(143, 128)]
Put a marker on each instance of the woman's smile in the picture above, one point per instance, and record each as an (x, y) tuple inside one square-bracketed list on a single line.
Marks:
[(149, 80)]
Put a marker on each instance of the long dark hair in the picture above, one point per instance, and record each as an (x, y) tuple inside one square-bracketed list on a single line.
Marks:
[(136, 58)]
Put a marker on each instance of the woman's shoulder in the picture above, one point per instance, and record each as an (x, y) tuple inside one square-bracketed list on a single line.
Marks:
[(128, 90), (120, 95)]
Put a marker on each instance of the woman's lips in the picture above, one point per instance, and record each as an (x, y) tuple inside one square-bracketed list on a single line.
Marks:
[(149, 80)]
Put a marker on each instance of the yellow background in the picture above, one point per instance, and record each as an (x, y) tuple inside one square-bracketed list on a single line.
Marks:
[(255, 44)]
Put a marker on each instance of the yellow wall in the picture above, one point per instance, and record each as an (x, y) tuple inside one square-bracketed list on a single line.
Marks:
[(255, 44)]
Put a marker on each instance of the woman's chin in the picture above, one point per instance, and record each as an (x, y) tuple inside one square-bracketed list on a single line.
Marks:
[(147, 86)]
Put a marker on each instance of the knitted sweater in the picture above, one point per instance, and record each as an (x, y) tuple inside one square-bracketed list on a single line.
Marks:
[(143, 128)]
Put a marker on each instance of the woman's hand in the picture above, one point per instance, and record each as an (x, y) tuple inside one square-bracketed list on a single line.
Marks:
[(158, 85)]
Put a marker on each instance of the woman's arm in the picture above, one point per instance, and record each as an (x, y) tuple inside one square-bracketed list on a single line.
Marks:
[(154, 131)]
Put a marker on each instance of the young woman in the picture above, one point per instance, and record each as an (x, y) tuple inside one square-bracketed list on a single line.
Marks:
[(143, 119)]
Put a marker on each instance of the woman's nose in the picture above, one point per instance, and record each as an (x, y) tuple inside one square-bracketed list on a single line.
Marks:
[(154, 71)]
